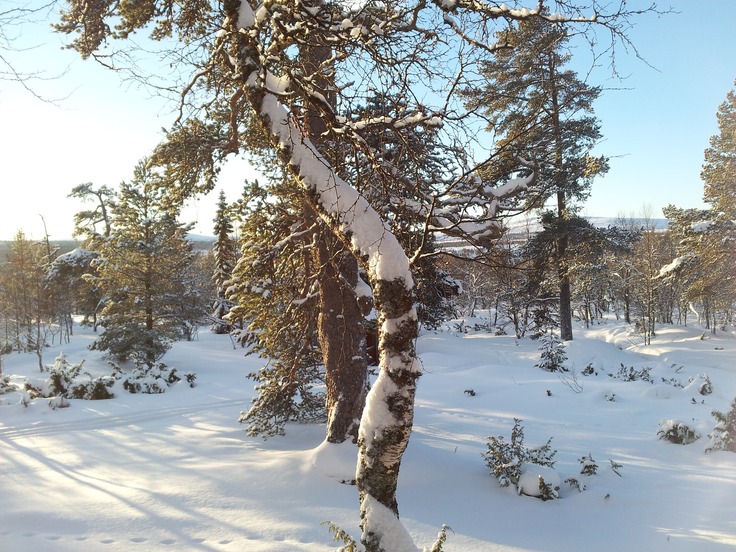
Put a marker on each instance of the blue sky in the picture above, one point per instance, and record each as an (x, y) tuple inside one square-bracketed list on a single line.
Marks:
[(655, 123)]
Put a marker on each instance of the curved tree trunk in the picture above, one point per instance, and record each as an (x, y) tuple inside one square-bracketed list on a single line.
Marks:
[(388, 416)]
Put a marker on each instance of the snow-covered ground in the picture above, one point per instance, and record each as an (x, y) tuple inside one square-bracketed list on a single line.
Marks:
[(176, 471)]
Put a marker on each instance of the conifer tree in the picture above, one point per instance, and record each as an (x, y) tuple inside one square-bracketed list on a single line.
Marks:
[(225, 254), (247, 71), (540, 110), (22, 278), (706, 238), (274, 291), (142, 272)]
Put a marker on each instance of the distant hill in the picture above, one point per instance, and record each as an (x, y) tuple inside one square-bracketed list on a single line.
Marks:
[(64, 246), (518, 229), (199, 243)]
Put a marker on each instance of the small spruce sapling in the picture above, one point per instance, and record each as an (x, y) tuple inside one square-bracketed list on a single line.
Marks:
[(589, 466), (438, 545), (553, 355), (506, 459), (723, 436)]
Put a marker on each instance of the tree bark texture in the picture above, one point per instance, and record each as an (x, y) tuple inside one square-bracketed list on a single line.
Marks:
[(342, 338), (387, 418)]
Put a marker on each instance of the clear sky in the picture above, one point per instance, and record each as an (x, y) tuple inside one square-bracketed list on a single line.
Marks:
[(656, 124)]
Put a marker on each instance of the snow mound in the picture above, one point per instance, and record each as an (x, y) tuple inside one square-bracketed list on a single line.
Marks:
[(336, 460)]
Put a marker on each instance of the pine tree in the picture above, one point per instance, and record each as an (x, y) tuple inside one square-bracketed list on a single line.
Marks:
[(419, 164), (274, 291), (142, 273), (719, 176), (541, 111), (260, 82), (706, 238)]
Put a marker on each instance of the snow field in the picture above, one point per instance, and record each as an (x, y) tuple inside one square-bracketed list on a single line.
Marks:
[(176, 471)]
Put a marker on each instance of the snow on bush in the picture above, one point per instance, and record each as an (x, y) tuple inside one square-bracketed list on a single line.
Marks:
[(149, 379), (553, 355), (677, 432), (723, 436), (539, 481), (700, 384), (589, 466), (68, 381), (507, 460)]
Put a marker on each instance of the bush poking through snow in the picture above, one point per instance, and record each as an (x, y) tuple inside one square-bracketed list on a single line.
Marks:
[(351, 545), (553, 355), (339, 534), (589, 466), (705, 386), (539, 481), (677, 432), (507, 459), (6, 386), (68, 381), (723, 436), (629, 373), (148, 379)]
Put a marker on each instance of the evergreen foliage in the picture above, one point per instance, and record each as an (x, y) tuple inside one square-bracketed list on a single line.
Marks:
[(69, 381), (148, 379), (589, 466), (541, 111), (677, 432), (723, 436), (274, 291), (143, 269), (420, 165), (553, 356), (706, 238), (506, 459), (225, 255)]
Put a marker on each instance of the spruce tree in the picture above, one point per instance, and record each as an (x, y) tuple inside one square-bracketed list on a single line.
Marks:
[(225, 256), (142, 270)]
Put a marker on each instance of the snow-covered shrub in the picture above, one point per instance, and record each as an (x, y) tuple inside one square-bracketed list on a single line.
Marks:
[(723, 436), (702, 383), (58, 402), (6, 386), (553, 355), (148, 379), (677, 432), (539, 481), (68, 381), (629, 373), (191, 378), (589, 466), (507, 459), (589, 370)]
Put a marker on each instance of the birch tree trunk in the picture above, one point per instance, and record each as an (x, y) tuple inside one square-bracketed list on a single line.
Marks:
[(388, 416)]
